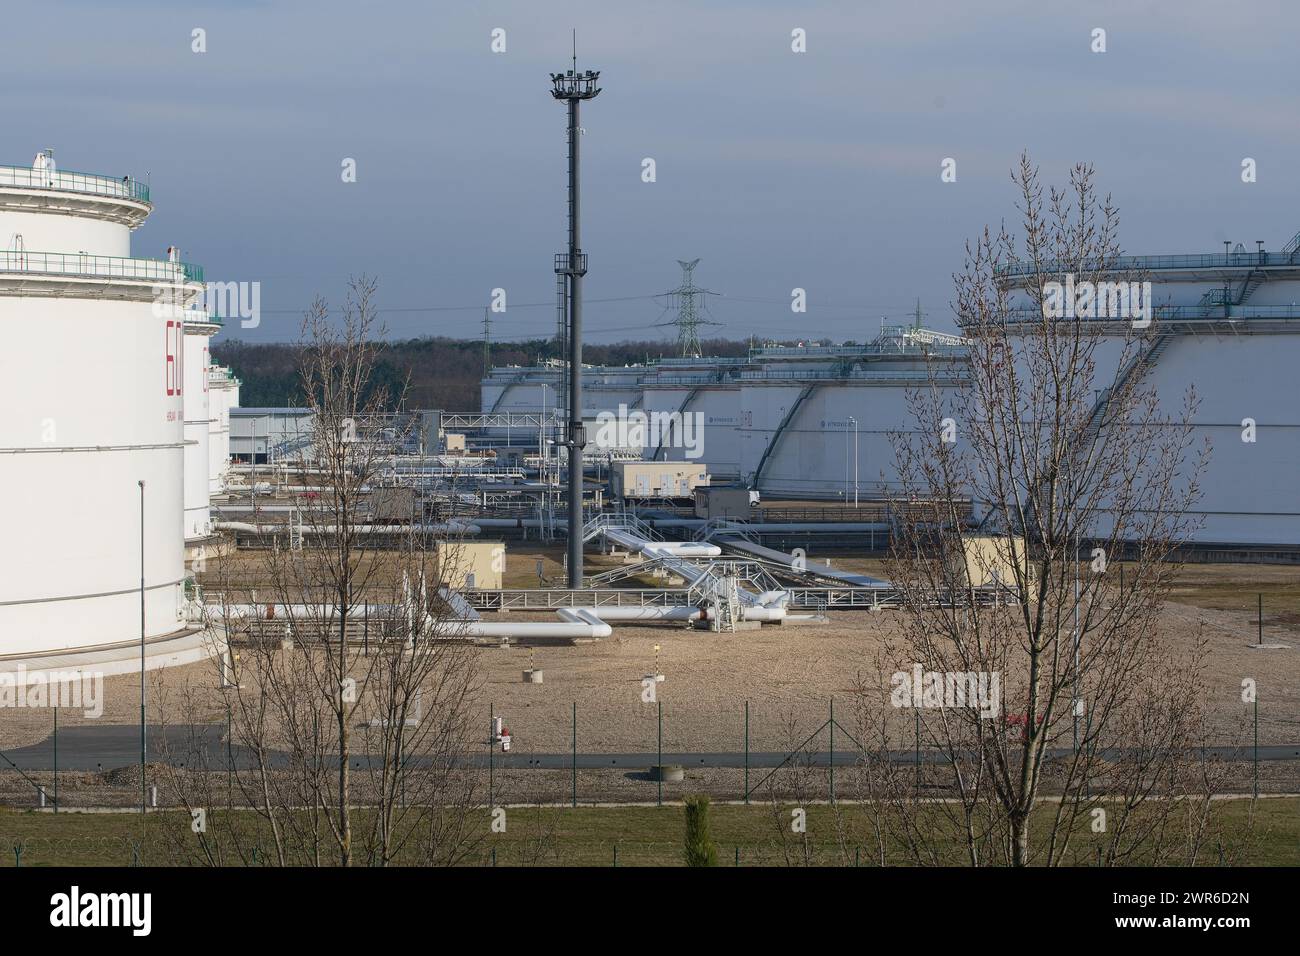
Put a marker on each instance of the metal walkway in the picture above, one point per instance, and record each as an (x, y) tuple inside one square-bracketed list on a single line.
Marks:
[(828, 597), (787, 561)]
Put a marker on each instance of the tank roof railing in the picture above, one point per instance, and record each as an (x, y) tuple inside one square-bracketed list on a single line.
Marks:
[(1215, 260), (202, 317), (71, 181), (715, 378), (702, 360), (911, 350), (1179, 313), (857, 374), (79, 264)]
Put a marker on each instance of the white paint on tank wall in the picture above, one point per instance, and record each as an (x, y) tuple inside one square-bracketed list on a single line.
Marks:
[(1247, 488), (198, 518), (814, 455), (222, 392), (65, 234), (719, 408), (70, 574), (762, 408), (522, 397)]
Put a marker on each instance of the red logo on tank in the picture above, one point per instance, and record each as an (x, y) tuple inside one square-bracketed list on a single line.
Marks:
[(174, 349)]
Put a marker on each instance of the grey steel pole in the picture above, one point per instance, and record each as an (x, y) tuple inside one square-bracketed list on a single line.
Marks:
[(746, 755), (576, 437), (1078, 638), (143, 799), (855, 462), (573, 87), (830, 724)]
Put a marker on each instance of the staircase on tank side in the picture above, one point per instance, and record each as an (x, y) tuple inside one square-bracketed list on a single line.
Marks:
[(786, 420), (1137, 366)]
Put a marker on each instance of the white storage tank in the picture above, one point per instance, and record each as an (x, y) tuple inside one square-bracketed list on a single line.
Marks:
[(199, 327), (91, 383), (223, 395)]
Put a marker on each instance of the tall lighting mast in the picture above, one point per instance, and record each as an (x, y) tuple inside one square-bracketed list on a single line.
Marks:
[(573, 87)]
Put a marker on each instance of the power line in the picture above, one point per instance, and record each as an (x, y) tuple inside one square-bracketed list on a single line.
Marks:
[(469, 308), (722, 297)]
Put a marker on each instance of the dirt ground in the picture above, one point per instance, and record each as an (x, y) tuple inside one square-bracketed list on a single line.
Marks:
[(787, 674), (783, 678)]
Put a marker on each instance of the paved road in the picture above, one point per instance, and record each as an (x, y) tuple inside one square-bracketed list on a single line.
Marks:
[(107, 747)]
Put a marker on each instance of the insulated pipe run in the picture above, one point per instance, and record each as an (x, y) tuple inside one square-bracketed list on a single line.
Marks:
[(451, 527), (768, 606), (769, 527), (659, 549), (576, 622)]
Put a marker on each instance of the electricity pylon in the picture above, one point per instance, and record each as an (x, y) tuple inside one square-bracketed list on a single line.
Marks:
[(690, 312)]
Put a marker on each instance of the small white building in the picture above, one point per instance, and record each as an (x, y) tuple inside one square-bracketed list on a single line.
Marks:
[(657, 479)]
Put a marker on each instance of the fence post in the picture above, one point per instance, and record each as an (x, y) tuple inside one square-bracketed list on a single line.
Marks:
[(56, 758), (746, 757), (830, 724), (230, 750), (918, 750), (575, 754)]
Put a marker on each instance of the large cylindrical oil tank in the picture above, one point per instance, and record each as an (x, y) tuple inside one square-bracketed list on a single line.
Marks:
[(199, 327), (223, 395), (91, 384)]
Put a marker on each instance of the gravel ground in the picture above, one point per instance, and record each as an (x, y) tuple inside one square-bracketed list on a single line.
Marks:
[(787, 674)]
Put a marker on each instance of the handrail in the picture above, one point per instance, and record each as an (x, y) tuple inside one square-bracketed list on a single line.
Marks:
[(853, 351), (110, 267), (855, 374), (1213, 312), (69, 180), (199, 317), (1216, 260)]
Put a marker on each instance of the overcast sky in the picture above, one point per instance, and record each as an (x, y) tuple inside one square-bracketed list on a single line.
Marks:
[(778, 169)]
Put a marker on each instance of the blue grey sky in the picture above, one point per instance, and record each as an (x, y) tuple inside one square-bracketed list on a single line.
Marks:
[(778, 169)]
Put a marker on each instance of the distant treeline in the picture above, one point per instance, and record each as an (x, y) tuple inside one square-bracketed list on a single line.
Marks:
[(442, 373)]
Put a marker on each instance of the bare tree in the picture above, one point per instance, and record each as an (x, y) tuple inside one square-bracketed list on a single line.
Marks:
[(1072, 463), (350, 709)]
